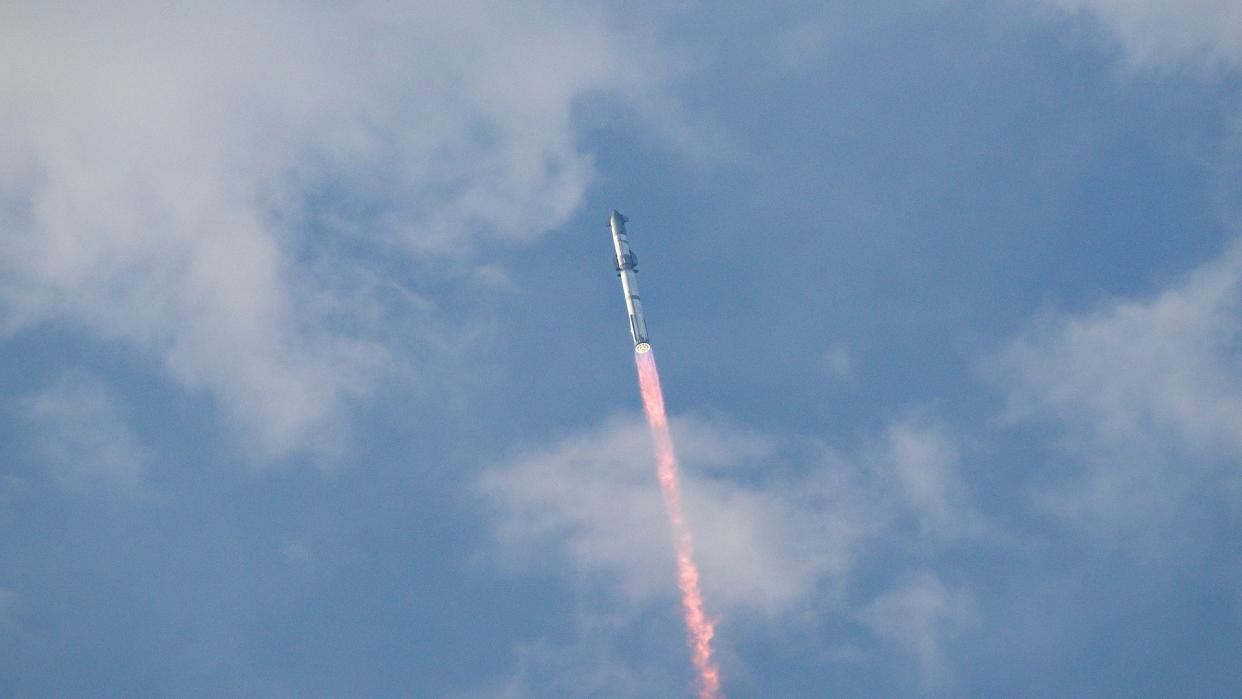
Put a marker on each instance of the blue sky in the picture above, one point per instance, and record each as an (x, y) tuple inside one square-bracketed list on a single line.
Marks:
[(316, 381)]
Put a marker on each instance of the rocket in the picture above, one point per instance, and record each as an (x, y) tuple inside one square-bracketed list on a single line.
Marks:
[(627, 268)]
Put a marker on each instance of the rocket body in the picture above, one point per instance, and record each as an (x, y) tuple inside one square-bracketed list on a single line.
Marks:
[(627, 268)]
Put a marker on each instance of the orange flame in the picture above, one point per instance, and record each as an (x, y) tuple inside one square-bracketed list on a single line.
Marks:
[(699, 627)]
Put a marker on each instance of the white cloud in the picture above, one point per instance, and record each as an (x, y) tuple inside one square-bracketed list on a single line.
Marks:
[(921, 615), (1148, 394), (76, 427), (1193, 33), (924, 461), (779, 528), (788, 533), (210, 185)]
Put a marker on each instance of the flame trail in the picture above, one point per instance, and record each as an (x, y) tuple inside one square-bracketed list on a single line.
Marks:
[(698, 627)]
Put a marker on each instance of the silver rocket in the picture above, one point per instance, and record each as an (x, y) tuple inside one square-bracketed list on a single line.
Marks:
[(627, 267)]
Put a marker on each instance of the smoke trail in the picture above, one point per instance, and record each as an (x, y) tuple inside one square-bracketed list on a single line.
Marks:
[(698, 626)]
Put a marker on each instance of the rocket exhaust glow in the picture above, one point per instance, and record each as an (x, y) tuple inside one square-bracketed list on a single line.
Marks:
[(699, 627)]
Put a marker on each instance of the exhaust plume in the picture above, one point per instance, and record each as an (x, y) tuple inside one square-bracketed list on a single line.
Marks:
[(699, 628)]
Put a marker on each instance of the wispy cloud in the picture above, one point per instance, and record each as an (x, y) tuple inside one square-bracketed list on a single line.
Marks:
[(921, 458), (782, 526), (81, 434), (1148, 394), (838, 363), (922, 615), (1190, 33)]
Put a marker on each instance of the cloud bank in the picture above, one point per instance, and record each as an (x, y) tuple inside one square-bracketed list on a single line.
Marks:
[(223, 188), (1147, 394), (782, 529)]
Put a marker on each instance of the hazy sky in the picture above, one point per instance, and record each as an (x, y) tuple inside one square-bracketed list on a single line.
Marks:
[(315, 377)]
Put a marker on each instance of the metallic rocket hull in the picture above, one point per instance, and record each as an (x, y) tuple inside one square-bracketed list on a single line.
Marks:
[(627, 268)]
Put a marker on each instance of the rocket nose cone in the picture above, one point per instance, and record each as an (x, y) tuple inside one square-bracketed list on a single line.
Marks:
[(617, 218)]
